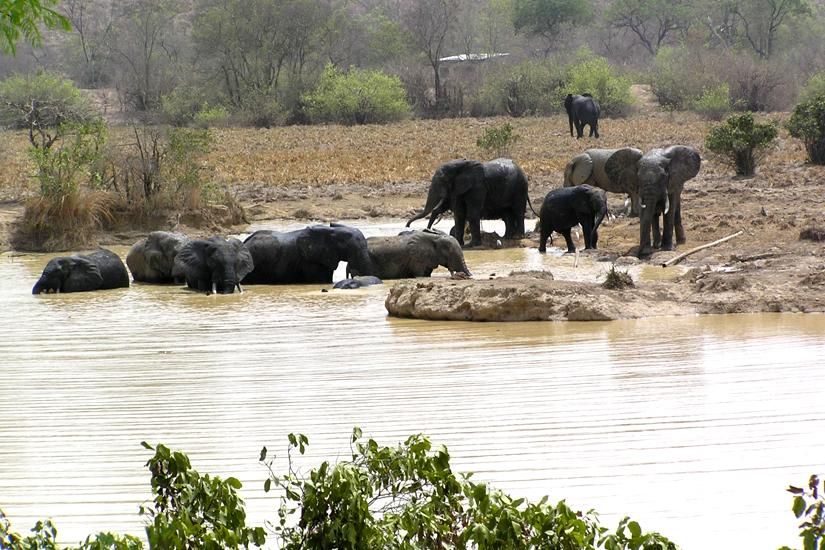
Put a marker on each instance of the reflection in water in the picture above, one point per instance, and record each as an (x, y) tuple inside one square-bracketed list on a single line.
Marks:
[(692, 425)]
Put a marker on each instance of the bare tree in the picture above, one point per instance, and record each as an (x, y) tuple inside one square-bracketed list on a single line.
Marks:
[(93, 26), (762, 19), (429, 24)]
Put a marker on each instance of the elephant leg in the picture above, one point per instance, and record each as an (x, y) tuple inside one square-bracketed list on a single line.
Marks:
[(594, 239), (635, 205), (587, 229), (579, 129), (667, 230), (460, 217), (677, 223), (594, 128), (645, 224), (657, 234), (568, 239), (517, 220), (546, 233), (474, 219)]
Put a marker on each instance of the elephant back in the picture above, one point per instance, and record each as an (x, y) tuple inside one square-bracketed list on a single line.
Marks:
[(112, 269), (578, 170)]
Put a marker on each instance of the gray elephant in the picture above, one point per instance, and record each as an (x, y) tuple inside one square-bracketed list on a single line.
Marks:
[(614, 170), (308, 255), (214, 265), (582, 110), (662, 174), (358, 282), (476, 191), (567, 207), (415, 254), (150, 260), (100, 270)]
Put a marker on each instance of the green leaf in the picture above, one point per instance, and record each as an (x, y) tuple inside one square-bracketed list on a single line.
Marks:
[(267, 485), (263, 455), (147, 446), (798, 506), (635, 529), (233, 482)]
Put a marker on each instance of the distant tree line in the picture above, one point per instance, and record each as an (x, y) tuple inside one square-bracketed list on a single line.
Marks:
[(261, 62)]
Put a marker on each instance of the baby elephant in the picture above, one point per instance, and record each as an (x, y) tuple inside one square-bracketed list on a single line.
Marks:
[(358, 282), (568, 206), (100, 270)]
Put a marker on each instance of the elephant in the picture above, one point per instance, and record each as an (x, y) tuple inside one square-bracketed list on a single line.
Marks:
[(582, 110), (416, 254), (566, 207), (99, 270), (151, 259), (614, 170), (214, 265), (662, 174), (477, 191), (358, 282), (308, 255)]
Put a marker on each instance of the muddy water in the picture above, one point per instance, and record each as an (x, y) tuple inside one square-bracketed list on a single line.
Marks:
[(694, 426)]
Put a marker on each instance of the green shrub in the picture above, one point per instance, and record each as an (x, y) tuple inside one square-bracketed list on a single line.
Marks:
[(42, 102), (810, 504), (496, 140), (807, 123), (70, 159), (814, 87), (739, 139), (529, 88), (209, 116), (595, 76), (356, 97), (714, 103), (678, 78)]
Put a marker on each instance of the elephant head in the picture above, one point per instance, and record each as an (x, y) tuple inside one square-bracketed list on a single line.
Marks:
[(215, 265), (69, 274), (151, 259), (444, 249), (451, 179), (337, 242), (662, 174)]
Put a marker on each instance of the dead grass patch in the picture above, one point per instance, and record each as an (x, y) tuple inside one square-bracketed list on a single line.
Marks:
[(64, 222), (617, 279)]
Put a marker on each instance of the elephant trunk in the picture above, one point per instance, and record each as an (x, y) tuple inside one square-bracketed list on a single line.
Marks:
[(360, 264), (431, 206)]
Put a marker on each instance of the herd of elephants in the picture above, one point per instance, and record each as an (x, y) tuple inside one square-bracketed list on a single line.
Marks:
[(471, 189)]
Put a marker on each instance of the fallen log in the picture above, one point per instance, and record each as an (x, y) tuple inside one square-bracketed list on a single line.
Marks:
[(678, 258)]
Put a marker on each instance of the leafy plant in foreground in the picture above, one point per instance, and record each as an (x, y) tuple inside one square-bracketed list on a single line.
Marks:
[(497, 140), (807, 123), (810, 504), (738, 140)]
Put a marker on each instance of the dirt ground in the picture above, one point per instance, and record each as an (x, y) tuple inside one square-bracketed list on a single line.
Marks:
[(321, 174)]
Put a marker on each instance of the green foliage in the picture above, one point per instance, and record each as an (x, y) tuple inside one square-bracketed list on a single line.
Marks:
[(739, 138), (810, 504), (357, 97), (24, 17), (209, 116), (807, 123), (529, 88), (595, 76), (678, 77), (814, 87), (193, 510), (497, 140), (43, 537), (714, 103), (71, 159), (408, 497), (545, 18)]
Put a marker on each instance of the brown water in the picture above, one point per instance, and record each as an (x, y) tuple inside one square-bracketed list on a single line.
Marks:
[(694, 426)]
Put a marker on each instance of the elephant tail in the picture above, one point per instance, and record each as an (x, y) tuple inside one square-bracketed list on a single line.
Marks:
[(530, 204)]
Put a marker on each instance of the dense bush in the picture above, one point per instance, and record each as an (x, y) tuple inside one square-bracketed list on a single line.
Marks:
[(595, 76), (714, 103), (42, 101), (529, 88), (807, 123), (739, 139), (678, 77), (357, 97)]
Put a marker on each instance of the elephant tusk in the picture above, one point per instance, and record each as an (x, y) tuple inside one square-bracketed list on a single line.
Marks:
[(667, 204), (214, 288), (240, 288)]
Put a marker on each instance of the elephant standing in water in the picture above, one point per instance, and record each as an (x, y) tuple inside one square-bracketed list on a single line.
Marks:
[(662, 174), (476, 191), (614, 170), (582, 110), (308, 255), (151, 259), (566, 207), (100, 270), (415, 254), (214, 265)]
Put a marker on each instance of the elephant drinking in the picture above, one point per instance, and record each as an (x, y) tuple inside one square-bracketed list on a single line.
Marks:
[(416, 254), (100, 270)]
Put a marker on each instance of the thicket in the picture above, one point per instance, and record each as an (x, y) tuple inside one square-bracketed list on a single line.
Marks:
[(739, 141), (807, 121)]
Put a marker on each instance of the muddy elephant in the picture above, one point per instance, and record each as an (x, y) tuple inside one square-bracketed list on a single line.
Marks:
[(214, 265), (476, 191), (614, 170), (308, 255), (662, 174), (150, 260), (582, 110), (416, 254), (99, 270), (567, 207)]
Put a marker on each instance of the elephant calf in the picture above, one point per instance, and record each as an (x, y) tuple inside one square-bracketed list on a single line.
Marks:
[(415, 254), (151, 259), (100, 270), (566, 207)]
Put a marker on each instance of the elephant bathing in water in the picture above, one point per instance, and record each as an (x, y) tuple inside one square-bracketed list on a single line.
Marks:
[(151, 259), (214, 265), (582, 110), (614, 170), (568, 206), (415, 254), (358, 282), (100, 270), (476, 191), (308, 255), (662, 174)]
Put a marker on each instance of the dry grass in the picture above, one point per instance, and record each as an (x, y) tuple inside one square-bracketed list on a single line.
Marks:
[(63, 223)]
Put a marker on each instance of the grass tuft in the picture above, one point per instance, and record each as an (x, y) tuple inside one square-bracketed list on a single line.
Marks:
[(63, 222), (617, 280)]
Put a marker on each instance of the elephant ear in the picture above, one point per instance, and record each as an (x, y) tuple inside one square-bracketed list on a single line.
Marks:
[(314, 245), (470, 173), (622, 167), (578, 170), (244, 263), (190, 263), (684, 163), (84, 275)]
